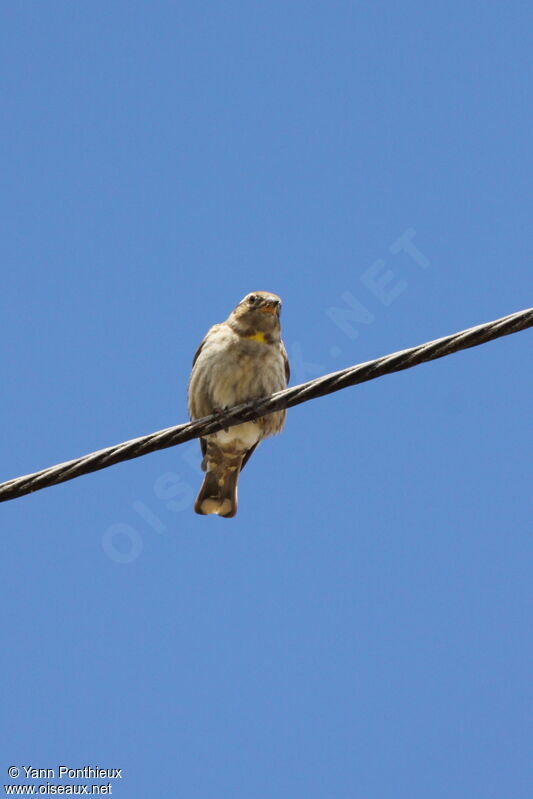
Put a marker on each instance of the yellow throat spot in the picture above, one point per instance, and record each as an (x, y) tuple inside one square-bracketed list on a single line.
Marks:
[(257, 336)]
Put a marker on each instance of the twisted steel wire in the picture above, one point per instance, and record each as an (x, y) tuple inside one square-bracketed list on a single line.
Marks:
[(247, 411)]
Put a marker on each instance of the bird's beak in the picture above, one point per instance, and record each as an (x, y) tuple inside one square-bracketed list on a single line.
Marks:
[(271, 306)]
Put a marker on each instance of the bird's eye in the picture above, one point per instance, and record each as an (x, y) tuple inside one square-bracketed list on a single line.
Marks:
[(252, 299)]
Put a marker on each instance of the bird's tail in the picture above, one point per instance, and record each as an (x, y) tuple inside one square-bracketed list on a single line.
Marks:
[(218, 493)]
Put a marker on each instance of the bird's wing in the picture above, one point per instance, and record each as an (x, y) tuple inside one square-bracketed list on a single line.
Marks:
[(198, 351), (203, 445), (247, 456), (285, 360)]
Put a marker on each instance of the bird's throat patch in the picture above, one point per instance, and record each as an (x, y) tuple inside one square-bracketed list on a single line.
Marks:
[(258, 335)]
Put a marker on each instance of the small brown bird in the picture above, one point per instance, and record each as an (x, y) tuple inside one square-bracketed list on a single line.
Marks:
[(240, 359)]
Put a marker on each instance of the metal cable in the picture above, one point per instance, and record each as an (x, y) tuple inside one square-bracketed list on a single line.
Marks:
[(247, 411)]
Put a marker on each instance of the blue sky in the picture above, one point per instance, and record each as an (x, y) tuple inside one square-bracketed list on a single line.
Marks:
[(362, 627)]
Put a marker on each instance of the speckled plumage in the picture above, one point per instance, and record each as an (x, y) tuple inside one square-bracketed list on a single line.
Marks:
[(240, 359)]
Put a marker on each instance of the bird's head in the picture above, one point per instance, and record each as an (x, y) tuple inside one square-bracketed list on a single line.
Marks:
[(258, 312)]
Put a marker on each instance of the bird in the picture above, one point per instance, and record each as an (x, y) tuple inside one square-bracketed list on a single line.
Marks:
[(241, 359)]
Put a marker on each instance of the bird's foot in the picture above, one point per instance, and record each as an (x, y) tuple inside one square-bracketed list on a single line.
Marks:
[(257, 418), (218, 412)]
